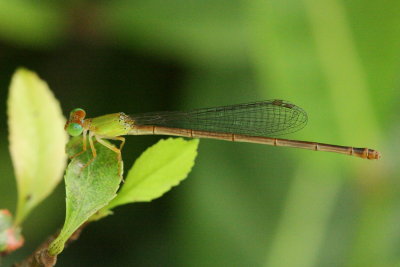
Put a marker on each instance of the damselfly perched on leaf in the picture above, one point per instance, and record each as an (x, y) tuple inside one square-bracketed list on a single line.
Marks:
[(255, 122)]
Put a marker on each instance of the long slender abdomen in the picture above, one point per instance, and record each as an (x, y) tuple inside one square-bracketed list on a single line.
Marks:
[(365, 153)]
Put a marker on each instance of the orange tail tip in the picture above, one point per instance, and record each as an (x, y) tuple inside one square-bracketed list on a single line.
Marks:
[(373, 154)]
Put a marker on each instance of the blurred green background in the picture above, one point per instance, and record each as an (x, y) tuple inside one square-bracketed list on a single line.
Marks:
[(243, 204)]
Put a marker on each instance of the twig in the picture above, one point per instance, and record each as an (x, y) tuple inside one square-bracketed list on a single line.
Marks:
[(41, 258)]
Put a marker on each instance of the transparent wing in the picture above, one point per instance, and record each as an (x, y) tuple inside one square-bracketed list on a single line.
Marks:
[(264, 118)]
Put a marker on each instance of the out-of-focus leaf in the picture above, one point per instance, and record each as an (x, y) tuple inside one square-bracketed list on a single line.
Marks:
[(159, 168), (190, 30), (37, 139), (26, 23), (10, 237), (88, 189)]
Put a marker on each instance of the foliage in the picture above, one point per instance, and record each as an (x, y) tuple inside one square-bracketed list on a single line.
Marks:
[(37, 140), (37, 146)]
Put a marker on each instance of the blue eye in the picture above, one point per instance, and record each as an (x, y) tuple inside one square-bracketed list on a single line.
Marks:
[(74, 129)]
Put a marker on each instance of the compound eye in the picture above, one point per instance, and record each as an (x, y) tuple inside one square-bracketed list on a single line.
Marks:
[(74, 129), (77, 114)]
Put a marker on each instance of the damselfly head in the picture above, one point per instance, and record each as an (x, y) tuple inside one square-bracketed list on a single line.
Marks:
[(74, 125)]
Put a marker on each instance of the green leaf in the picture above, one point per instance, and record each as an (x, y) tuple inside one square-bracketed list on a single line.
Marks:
[(37, 139), (88, 189), (159, 168)]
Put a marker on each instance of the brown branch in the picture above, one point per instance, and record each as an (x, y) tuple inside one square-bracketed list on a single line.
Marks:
[(41, 258)]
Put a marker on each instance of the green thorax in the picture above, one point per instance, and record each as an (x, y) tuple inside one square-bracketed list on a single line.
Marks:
[(111, 125)]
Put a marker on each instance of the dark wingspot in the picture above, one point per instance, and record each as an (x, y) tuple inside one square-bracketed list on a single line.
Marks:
[(277, 102), (288, 105)]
